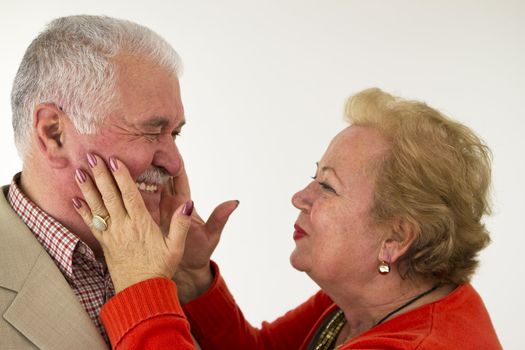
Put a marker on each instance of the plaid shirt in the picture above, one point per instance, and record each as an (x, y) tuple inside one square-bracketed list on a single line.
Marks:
[(88, 277)]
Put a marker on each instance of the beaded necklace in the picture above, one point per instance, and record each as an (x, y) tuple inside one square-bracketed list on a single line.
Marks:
[(328, 336)]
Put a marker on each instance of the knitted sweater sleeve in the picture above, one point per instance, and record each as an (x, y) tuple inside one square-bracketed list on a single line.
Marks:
[(218, 323), (147, 315)]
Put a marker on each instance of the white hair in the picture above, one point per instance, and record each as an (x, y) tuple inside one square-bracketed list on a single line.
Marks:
[(70, 64)]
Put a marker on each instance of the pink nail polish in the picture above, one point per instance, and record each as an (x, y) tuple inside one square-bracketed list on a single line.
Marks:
[(113, 164), (76, 203), (91, 160), (188, 208), (81, 177)]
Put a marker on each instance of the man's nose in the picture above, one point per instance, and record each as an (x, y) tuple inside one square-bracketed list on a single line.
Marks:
[(168, 157)]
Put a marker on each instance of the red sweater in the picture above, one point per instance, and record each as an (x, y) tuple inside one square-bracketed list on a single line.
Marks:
[(148, 315)]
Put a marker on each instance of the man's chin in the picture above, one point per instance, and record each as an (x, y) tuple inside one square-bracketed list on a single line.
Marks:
[(156, 216), (152, 202)]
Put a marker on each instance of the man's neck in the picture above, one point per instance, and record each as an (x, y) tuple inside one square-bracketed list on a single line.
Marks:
[(53, 198)]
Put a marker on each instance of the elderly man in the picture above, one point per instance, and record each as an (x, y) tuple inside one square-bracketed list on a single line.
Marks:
[(86, 85)]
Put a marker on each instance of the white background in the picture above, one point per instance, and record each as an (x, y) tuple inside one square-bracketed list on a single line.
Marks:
[(264, 88)]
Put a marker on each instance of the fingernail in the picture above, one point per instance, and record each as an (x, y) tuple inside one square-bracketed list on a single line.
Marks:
[(91, 160), (238, 202), (188, 208), (77, 203), (81, 177), (113, 163)]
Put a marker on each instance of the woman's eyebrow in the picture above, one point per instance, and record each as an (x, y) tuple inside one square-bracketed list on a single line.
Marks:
[(330, 169)]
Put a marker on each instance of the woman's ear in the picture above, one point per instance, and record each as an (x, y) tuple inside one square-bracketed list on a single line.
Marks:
[(48, 123), (397, 241)]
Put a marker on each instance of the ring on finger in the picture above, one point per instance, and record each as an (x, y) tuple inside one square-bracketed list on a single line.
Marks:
[(100, 223)]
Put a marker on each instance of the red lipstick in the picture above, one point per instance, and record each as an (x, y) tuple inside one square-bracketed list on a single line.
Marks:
[(298, 233)]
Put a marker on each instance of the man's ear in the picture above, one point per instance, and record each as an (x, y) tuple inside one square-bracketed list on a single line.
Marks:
[(48, 122), (398, 240)]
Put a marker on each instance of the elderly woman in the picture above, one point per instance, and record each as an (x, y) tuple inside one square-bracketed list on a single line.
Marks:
[(389, 228)]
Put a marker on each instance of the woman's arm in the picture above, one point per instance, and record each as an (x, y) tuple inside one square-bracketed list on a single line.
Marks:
[(147, 315), (218, 323)]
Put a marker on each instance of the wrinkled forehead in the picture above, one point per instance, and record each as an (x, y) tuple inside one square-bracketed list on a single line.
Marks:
[(148, 93), (141, 73), (355, 148)]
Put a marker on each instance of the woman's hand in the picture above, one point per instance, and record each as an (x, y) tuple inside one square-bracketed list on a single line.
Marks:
[(194, 276), (134, 246)]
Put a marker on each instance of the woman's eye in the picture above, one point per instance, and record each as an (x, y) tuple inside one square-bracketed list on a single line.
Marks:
[(326, 187)]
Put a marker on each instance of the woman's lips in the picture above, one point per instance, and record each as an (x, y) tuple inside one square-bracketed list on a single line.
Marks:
[(298, 233)]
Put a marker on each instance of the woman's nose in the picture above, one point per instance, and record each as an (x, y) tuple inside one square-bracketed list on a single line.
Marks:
[(302, 199)]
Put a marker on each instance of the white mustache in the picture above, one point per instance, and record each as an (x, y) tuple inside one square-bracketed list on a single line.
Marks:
[(154, 176)]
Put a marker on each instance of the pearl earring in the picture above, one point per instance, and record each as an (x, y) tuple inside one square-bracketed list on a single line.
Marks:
[(383, 267)]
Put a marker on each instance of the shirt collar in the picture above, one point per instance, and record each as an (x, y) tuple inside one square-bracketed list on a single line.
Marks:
[(60, 243)]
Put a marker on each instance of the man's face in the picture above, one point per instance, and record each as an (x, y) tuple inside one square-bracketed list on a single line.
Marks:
[(141, 130)]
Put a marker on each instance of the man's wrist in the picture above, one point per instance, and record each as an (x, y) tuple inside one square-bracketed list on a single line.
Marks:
[(192, 283)]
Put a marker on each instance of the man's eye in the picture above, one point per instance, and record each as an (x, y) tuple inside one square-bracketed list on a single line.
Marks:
[(151, 137), (175, 134)]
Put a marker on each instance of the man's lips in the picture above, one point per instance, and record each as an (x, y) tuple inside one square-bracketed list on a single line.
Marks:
[(298, 233)]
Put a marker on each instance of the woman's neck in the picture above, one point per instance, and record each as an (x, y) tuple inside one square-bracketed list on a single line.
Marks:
[(364, 309)]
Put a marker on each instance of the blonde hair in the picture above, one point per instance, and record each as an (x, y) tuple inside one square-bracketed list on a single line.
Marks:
[(436, 176)]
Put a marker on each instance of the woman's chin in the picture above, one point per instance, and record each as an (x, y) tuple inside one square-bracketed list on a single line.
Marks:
[(296, 261)]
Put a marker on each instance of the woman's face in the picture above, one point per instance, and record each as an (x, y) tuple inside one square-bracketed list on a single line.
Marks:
[(335, 236)]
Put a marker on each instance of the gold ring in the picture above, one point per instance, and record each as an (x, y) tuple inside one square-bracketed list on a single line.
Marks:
[(100, 223)]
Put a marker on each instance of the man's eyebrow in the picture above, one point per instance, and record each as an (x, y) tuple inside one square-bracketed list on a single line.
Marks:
[(181, 124), (157, 122), (160, 122)]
